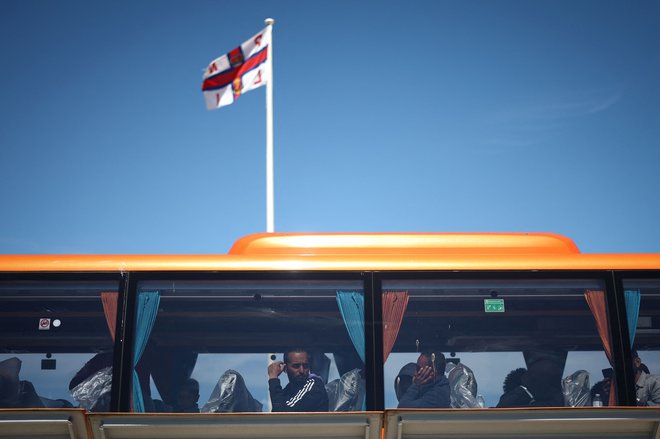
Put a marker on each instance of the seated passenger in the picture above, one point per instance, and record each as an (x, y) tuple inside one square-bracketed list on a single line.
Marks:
[(430, 387), (167, 367), (187, 397), (305, 391), (647, 386), (544, 376), (516, 393)]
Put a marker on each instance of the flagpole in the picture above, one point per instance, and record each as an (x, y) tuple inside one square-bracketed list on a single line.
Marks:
[(270, 198)]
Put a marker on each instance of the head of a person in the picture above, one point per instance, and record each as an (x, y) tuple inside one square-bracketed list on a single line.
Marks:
[(435, 360), (638, 366), (513, 379), (297, 365), (188, 394)]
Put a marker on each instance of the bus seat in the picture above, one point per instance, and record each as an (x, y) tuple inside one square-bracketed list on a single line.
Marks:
[(346, 394), (576, 389), (404, 379), (463, 387), (319, 363), (231, 395), (93, 392)]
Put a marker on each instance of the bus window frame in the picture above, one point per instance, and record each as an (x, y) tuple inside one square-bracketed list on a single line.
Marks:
[(134, 279), (127, 284), (112, 276), (614, 298), (628, 377)]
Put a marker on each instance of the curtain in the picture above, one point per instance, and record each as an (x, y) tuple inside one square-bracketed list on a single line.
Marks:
[(147, 309), (394, 307), (109, 300), (598, 307), (632, 312), (351, 306)]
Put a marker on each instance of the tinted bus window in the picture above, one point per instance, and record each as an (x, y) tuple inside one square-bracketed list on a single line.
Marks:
[(541, 334), (224, 334), (56, 343), (643, 312)]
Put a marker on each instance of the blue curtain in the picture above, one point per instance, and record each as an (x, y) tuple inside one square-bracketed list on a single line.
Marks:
[(147, 309), (351, 305), (632, 312)]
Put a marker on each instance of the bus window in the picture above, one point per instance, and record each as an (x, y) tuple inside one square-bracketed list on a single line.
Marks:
[(56, 343), (642, 298), (540, 336), (223, 334)]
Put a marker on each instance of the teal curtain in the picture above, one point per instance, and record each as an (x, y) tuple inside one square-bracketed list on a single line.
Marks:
[(351, 305), (147, 309), (633, 298)]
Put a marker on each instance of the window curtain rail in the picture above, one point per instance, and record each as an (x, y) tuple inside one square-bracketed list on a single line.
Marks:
[(147, 309), (394, 307)]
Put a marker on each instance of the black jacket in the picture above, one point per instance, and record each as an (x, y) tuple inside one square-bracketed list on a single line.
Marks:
[(308, 397), (519, 396)]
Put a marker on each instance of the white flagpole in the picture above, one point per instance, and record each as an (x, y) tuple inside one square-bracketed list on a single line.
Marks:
[(270, 198)]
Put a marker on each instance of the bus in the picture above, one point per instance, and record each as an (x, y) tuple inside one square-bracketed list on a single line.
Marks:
[(124, 334)]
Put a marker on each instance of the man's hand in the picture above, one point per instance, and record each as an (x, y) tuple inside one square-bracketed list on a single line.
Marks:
[(423, 376), (275, 369)]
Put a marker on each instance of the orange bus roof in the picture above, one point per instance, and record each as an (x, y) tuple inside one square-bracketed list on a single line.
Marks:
[(357, 251), (398, 243)]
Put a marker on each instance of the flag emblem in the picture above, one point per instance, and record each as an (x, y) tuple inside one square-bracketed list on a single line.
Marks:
[(240, 70), (236, 57), (238, 87)]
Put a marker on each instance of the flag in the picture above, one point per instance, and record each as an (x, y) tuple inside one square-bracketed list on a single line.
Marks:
[(242, 69)]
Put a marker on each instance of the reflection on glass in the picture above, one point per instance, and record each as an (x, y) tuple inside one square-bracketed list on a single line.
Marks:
[(541, 336), (56, 340), (224, 334)]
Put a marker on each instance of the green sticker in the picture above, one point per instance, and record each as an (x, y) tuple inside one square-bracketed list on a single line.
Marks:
[(494, 305)]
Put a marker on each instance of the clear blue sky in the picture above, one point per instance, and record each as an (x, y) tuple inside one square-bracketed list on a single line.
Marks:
[(524, 116)]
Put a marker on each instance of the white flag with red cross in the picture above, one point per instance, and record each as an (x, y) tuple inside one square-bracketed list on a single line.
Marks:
[(242, 69)]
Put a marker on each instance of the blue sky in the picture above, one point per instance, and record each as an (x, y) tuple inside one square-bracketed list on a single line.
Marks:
[(522, 116)]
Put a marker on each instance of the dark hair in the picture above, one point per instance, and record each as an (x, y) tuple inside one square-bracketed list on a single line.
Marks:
[(513, 379), (438, 360), (297, 350)]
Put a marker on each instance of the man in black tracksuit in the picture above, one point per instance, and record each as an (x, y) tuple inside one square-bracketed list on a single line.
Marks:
[(304, 393)]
